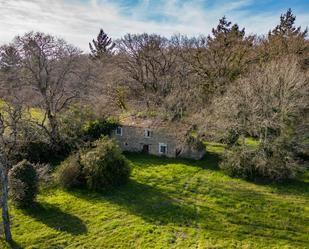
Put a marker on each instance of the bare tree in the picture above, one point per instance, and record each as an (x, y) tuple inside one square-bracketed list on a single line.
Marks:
[(53, 73), (150, 64), (267, 102)]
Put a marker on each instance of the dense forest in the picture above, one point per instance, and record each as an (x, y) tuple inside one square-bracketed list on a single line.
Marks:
[(57, 101)]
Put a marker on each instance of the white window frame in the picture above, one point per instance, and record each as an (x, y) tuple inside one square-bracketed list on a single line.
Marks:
[(116, 131), (146, 133), (162, 145)]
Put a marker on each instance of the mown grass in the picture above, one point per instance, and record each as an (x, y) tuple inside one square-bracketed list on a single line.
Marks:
[(169, 203)]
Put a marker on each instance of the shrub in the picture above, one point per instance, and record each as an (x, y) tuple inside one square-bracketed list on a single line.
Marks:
[(96, 128), (195, 142), (270, 162), (69, 174), (238, 162), (275, 163), (104, 166), (23, 182), (231, 137), (44, 173)]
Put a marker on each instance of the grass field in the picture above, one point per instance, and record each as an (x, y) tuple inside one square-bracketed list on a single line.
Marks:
[(169, 203)]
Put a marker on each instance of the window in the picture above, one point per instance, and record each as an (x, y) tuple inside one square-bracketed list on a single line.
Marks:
[(119, 131), (148, 133), (162, 148)]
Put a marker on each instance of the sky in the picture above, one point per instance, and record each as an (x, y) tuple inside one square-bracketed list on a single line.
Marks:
[(79, 21)]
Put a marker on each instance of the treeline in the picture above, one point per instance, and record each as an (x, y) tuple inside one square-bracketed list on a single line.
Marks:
[(182, 75)]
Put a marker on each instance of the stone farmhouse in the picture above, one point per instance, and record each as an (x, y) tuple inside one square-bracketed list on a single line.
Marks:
[(156, 137)]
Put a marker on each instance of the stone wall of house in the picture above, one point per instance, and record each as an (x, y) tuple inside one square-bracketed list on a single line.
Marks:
[(133, 139)]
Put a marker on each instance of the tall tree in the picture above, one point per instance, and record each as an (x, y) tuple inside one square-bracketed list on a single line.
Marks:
[(149, 62), (219, 59), (102, 46), (285, 39), (287, 26), (52, 73)]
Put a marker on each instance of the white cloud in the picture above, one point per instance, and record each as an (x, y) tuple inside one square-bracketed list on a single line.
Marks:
[(78, 22)]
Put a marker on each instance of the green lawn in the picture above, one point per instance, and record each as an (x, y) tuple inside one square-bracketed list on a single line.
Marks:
[(169, 203)]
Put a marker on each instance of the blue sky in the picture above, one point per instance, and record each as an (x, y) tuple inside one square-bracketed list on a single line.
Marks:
[(78, 21)]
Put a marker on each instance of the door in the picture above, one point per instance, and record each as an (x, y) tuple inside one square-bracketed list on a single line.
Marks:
[(145, 148)]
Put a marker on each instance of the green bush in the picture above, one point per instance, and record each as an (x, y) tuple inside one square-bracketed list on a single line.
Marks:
[(96, 128), (23, 182), (69, 174), (104, 166)]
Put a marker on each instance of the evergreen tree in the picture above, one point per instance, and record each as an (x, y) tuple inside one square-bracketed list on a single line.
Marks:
[(220, 58), (287, 27), (285, 39), (102, 46), (225, 28)]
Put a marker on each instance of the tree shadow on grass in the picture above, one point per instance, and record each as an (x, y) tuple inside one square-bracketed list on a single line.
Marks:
[(297, 187), (209, 161), (148, 202), (232, 211), (13, 244), (55, 218)]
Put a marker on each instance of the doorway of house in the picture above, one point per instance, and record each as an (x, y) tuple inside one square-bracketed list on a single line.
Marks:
[(145, 148)]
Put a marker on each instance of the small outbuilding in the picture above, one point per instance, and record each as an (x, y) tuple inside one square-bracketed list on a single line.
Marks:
[(158, 137)]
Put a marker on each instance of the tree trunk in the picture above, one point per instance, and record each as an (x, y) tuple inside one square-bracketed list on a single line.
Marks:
[(54, 134), (4, 202)]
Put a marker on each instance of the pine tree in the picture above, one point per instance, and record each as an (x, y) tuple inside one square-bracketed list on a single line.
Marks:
[(287, 28), (226, 28), (102, 46), (222, 57), (285, 39)]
